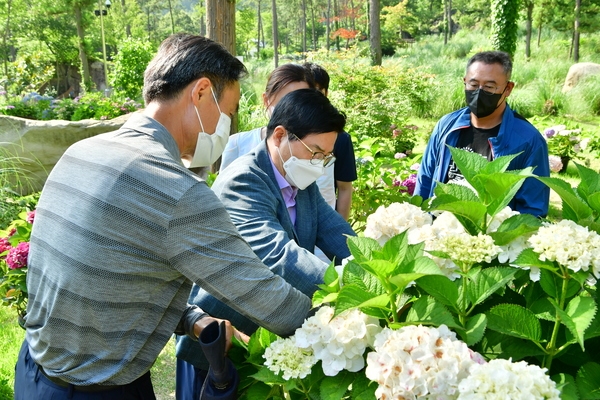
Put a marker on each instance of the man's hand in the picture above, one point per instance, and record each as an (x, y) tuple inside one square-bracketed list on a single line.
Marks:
[(229, 330)]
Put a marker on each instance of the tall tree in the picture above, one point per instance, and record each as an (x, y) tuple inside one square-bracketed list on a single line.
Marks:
[(529, 4), (505, 15), (85, 68), (275, 34), (576, 31), (375, 32), (220, 22)]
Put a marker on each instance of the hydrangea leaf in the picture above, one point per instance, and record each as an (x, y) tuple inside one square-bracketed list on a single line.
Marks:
[(331, 276), (352, 296), (440, 287), (379, 268), (259, 341), (579, 208), (594, 201), (475, 329), (543, 309), (566, 384), (590, 179), (354, 273), (394, 249), (265, 375), (259, 390), (499, 189), (469, 163), (514, 320), (362, 247), (459, 192), (529, 258), (499, 164), (485, 282), (588, 381), (428, 311), (552, 284), (363, 388), (335, 387), (577, 316), (497, 345), (471, 211), (594, 328), (515, 226)]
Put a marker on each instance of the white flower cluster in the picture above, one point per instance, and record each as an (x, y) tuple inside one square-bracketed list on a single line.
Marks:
[(339, 343), (467, 249), (283, 355), (419, 362), (389, 221), (503, 379), (571, 245), (555, 163)]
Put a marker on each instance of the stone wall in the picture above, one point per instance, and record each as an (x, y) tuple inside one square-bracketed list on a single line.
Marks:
[(37, 145)]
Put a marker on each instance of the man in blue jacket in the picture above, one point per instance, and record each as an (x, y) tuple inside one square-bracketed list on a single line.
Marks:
[(489, 127)]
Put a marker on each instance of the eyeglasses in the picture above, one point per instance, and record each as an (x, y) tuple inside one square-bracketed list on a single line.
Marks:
[(318, 156), (488, 88)]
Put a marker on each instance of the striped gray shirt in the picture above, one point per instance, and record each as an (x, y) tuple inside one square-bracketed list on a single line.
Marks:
[(122, 229)]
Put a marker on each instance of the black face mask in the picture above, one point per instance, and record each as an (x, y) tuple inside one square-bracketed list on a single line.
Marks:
[(482, 104)]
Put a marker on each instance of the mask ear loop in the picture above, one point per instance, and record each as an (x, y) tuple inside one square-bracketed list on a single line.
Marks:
[(215, 97), (199, 120)]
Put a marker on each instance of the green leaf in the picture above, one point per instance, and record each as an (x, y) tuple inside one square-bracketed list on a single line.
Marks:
[(395, 248), (379, 268), (590, 179), (580, 209), (472, 211), (355, 274), (362, 247), (594, 201), (566, 384), (543, 309), (459, 192), (258, 390), (468, 162), (515, 226), (487, 281), (427, 310), (352, 296), (499, 164), (441, 288), (335, 387), (577, 317), (363, 388), (514, 320), (529, 258), (552, 285), (499, 189), (265, 375), (475, 329), (588, 381), (496, 345), (331, 277)]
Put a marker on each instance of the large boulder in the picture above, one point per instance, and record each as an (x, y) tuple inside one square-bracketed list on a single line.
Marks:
[(579, 71), (34, 147)]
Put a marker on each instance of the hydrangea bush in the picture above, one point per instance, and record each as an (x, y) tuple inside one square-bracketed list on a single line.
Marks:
[(456, 298)]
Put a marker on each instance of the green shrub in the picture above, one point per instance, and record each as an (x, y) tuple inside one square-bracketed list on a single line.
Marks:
[(130, 63)]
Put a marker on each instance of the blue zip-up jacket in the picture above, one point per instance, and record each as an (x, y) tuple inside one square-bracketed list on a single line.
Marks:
[(516, 135)]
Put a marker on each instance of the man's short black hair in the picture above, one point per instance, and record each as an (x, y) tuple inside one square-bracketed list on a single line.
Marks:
[(184, 58), (493, 57), (304, 112)]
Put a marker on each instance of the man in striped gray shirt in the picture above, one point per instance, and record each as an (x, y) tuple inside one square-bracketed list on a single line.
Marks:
[(122, 230)]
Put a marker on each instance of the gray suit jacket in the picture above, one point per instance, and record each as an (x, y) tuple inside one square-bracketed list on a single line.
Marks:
[(251, 196)]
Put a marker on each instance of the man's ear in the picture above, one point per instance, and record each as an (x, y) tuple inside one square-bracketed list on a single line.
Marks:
[(509, 87), (199, 89), (278, 134)]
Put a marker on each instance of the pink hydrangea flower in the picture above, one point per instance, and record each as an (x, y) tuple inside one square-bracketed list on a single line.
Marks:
[(17, 256), (398, 156), (4, 245), (410, 183), (30, 216)]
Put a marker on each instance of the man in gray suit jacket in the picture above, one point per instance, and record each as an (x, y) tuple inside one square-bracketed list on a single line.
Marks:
[(272, 199)]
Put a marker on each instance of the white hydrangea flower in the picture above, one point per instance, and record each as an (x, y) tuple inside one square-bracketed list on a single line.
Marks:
[(499, 218), (389, 221), (468, 249), (284, 355), (571, 245), (416, 362), (555, 163), (339, 343), (503, 379)]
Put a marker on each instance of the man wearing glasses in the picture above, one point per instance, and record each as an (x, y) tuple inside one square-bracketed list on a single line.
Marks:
[(489, 127), (271, 196)]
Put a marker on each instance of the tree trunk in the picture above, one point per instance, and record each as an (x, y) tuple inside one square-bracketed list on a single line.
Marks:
[(375, 29), (303, 28), (449, 18), (314, 31), (128, 25), (328, 26), (336, 23), (85, 68), (528, 26), (445, 24), (172, 20), (220, 22), (539, 38), (259, 29), (275, 35), (576, 31), (5, 37)]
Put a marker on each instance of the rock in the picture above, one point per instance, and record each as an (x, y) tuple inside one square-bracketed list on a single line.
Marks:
[(37, 145), (579, 71)]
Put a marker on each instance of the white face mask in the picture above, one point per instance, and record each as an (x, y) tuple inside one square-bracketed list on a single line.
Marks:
[(210, 147), (299, 172)]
